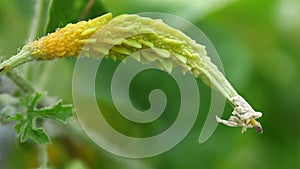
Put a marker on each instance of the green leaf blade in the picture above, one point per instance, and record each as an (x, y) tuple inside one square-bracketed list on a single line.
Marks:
[(57, 112), (37, 135)]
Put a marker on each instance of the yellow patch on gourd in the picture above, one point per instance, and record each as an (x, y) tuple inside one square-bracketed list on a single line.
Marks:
[(67, 41)]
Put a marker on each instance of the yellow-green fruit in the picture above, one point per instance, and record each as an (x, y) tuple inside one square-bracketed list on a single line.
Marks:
[(67, 41)]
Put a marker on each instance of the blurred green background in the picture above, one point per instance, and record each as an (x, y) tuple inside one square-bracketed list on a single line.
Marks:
[(258, 43)]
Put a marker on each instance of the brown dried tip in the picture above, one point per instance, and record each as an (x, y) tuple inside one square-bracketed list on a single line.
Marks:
[(3, 68), (258, 128)]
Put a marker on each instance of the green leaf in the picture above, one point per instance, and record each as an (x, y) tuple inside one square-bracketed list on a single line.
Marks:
[(37, 135), (70, 11), (27, 121), (196, 9), (17, 117), (32, 101), (58, 112), (19, 127)]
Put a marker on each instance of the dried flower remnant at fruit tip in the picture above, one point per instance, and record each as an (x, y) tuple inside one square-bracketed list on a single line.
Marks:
[(243, 116)]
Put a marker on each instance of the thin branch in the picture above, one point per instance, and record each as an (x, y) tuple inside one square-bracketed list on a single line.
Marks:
[(39, 20), (35, 21), (21, 82), (43, 156), (87, 9)]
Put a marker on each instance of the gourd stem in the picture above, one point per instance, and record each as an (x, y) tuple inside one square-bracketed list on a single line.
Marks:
[(20, 58)]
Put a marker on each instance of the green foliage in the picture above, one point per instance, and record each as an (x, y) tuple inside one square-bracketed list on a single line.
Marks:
[(26, 122), (68, 11)]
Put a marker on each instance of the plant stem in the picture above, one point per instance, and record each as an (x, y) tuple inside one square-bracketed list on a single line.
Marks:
[(39, 20), (43, 156), (21, 82), (87, 9), (20, 58)]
